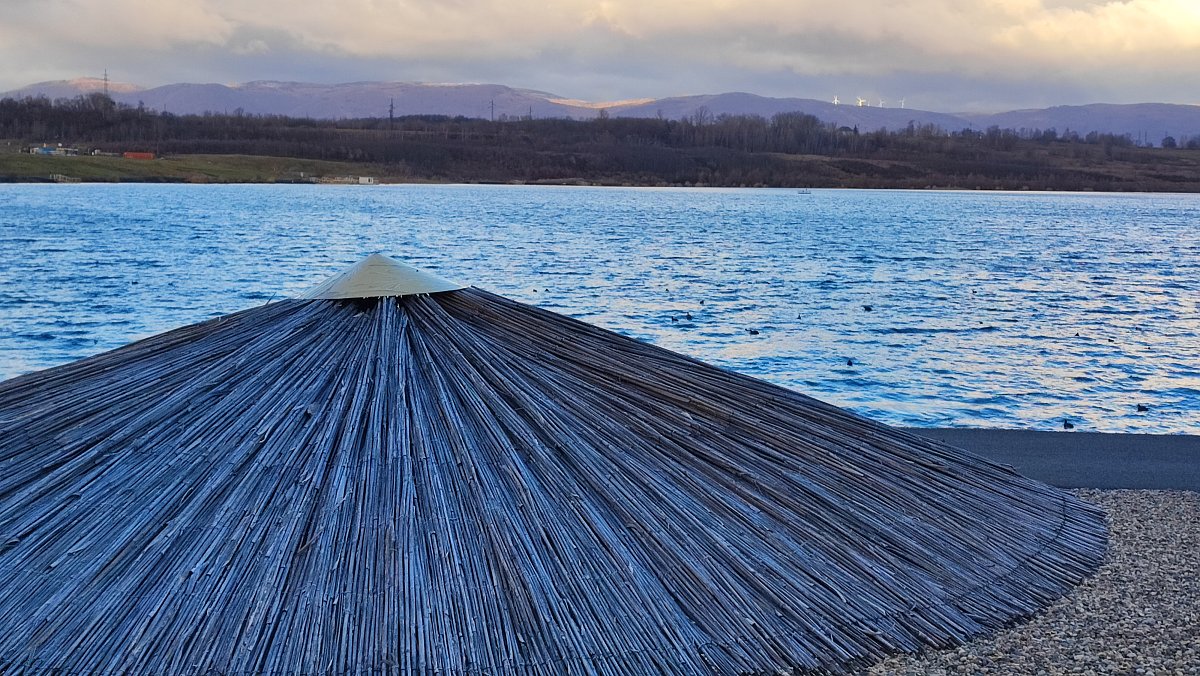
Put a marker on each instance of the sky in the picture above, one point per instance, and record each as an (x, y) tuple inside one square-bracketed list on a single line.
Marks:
[(943, 55)]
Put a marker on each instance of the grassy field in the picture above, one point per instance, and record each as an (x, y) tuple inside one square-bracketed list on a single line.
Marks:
[(1030, 167), (180, 169)]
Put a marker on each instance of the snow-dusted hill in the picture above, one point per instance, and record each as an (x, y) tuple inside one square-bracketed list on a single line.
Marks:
[(1149, 122)]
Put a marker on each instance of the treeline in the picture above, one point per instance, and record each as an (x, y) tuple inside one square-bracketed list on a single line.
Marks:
[(789, 149)]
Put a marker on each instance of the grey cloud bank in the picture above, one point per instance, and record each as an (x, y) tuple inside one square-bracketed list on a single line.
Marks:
[(937, 54)]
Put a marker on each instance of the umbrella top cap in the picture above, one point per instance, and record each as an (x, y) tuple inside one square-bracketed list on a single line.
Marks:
[(377, 276)]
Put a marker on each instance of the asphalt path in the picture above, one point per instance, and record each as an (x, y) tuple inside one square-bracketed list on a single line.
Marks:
[(1086, 459)]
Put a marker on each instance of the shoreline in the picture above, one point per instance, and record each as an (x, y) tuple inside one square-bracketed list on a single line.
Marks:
[(1098, 460), (384, 180), (786, 172)]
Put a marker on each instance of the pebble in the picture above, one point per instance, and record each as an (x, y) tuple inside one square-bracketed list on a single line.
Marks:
[(1139, 614)]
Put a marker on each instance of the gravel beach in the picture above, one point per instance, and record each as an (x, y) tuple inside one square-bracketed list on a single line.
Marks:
[(1140, 613)]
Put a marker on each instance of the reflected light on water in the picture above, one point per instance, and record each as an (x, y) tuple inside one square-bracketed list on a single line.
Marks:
[(916, 308)]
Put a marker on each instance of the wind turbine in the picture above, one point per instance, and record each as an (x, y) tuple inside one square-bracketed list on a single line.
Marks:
[(901, 103), (835, 100), (861, 102)]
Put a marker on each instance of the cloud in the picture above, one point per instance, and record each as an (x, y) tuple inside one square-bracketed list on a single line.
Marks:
[(254, 46), (1107, 31), (624, 48), (152, 24)]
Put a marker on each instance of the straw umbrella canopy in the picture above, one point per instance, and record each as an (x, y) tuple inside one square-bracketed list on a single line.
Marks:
[(398, 474)]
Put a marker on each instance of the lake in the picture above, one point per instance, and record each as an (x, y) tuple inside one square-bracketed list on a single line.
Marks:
[(916, 308)]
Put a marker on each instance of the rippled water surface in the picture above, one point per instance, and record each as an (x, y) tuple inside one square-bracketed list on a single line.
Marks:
[(917, 308)]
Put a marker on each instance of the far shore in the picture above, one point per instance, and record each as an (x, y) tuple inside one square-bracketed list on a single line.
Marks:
[(16, 167)]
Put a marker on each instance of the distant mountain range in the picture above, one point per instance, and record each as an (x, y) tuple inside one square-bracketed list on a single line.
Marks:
[(1145, 122)]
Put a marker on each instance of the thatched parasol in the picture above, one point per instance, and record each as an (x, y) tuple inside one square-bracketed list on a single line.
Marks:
[(402, 475)]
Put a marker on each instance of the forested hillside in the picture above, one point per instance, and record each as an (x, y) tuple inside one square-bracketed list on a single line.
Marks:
[(788, 150)]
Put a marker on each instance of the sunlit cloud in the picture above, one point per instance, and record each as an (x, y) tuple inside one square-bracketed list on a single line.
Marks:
[(1109, 31)]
